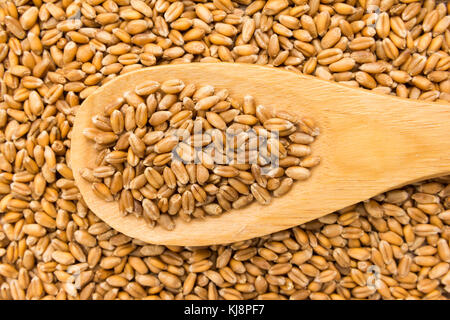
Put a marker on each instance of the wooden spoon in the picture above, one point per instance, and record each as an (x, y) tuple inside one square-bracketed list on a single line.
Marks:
[(369, 143)]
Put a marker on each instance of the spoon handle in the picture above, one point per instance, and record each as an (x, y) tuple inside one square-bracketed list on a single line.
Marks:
[(383, 134)]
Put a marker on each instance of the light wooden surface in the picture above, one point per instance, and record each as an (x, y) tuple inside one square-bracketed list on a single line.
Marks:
[(369, 143)]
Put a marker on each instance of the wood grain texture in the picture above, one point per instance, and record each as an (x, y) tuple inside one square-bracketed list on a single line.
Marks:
[(369, 143)]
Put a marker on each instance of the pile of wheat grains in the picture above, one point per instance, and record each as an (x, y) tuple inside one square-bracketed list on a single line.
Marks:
[(169, 150), (53, 54)]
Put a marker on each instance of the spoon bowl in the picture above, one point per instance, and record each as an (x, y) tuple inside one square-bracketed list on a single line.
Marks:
[(369, 143)]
